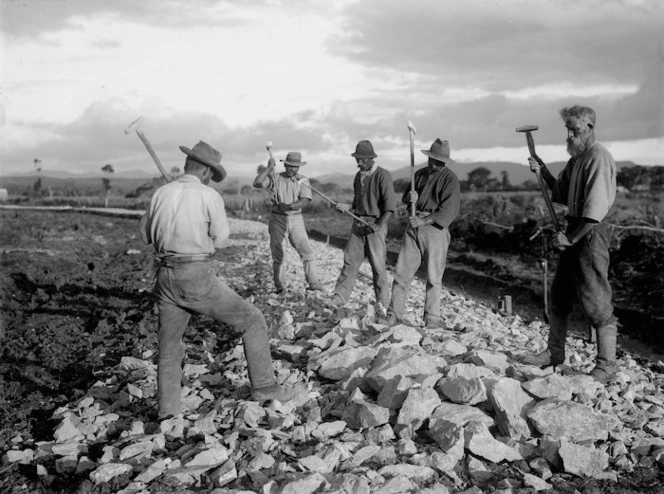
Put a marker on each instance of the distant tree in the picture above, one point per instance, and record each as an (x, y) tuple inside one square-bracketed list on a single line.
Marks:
[(630, 176), (529, 185), (247, 190), (175, 172), (401, 184), (232, 186), (478, 179), (37, 186), (107, 168), (505, 180), (657, 180)]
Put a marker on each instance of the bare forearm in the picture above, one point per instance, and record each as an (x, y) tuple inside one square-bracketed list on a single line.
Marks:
[(300, 203), (261, 179), (580, 231), (548, 177), (384, 218)]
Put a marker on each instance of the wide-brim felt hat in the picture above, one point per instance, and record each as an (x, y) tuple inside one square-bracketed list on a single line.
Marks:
[(440, 150), (294, 158), (206, 155), (364, 150)]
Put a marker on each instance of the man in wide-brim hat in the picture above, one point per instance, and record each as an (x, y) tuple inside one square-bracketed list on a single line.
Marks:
[(186, 222), (374, 201), (437, 199), (290, 193)]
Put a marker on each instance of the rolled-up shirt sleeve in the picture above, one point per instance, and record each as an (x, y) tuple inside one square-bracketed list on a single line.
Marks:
[(305, 188), (219, 230), (388, 196), (600, 188), (144, 227)]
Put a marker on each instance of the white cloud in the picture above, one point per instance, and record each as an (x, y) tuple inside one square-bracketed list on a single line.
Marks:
[(319, 76)]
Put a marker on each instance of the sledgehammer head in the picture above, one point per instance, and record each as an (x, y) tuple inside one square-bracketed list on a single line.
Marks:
[(411, 127), (134, 126), (527, 128)]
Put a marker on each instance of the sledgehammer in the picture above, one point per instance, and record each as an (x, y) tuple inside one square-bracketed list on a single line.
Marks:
[(527, 129)]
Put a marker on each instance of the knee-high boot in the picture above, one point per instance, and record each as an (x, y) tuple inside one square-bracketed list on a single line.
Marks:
[(557, 337), (276, 273), (311, 276), (605, 367)]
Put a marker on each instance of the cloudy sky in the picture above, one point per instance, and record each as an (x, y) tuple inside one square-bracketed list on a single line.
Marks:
[(317, 76)]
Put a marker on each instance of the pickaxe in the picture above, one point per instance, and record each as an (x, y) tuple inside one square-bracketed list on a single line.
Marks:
[(527, 129), (412, 131), (135, 126), (335, 204)]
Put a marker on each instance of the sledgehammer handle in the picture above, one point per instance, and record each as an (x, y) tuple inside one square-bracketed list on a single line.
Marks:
[(531, 144), (334, 204), (549, 205), (148, 146)]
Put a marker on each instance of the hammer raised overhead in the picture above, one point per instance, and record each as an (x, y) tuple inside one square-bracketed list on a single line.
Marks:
[(411, 132), (135, 126)]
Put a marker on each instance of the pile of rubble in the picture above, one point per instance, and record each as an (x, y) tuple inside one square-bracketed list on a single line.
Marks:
[(399, 409)]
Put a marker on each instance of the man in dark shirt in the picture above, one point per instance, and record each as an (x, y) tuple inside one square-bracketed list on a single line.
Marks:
[(437, 198), (374, 202)]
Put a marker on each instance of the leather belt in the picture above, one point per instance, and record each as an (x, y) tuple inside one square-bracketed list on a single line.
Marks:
[(174, 260)]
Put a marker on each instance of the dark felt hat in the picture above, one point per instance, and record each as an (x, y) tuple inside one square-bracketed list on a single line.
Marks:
[(206, 155), (440, 150), (364, 149), (294, 158)]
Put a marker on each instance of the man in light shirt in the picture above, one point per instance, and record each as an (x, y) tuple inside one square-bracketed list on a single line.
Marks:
[(290, 193), (186, 222), (587, 186)]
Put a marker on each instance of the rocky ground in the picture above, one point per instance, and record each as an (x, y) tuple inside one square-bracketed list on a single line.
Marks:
[(401, 409)]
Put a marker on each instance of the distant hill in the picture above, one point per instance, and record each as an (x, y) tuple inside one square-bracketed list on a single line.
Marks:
[(516, 172), (91, 183), (129, 174)]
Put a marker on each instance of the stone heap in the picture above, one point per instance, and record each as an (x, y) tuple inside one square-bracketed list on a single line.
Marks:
[(390, 410)]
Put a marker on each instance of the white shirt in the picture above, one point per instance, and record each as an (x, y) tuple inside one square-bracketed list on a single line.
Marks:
[(186, 218)]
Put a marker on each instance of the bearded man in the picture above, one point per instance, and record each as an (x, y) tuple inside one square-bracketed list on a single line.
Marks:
[(587, 186)]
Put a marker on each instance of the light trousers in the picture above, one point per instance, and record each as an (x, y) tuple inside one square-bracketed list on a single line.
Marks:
[(193, 287)]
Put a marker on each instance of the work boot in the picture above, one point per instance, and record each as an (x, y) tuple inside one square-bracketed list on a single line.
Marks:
[(276, 275), (604, 374), (277, 392), (311, 276), (434, 322), (380, 311), (557, 337), (336, 301), (606, 367), (389, 320), (542, 360)]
